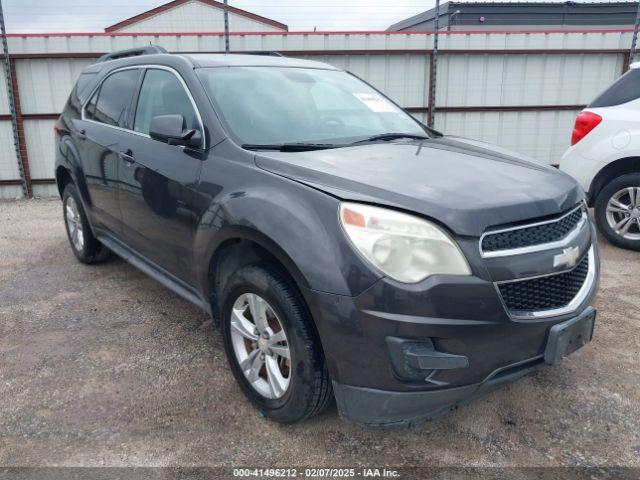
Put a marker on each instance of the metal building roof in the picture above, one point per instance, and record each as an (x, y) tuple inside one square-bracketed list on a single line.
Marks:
[(496, 15)]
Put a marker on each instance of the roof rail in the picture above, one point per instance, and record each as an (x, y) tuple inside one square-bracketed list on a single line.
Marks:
[(132, 52), (264, 53)]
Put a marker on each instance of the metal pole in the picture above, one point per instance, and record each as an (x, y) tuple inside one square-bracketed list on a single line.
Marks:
[(634, 40), (226, 26), (434, 66), (451, 16), (12, 103)]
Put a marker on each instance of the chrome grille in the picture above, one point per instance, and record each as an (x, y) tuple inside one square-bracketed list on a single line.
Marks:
[(544, 293), (540, 233)]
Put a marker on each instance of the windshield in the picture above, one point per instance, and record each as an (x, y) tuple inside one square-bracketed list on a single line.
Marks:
[(276, 105)]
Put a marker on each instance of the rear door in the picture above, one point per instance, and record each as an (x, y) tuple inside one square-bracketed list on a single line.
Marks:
[(101, 126), (157, 179)]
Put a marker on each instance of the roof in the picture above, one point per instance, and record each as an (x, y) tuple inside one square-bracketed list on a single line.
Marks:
[(177, 3), (239, 60), (527, 13), (204, 60)]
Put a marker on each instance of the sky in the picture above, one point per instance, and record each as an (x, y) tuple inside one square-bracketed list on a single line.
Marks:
[(29, 16)]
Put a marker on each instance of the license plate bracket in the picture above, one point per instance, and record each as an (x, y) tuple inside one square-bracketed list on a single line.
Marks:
[(567, 337)]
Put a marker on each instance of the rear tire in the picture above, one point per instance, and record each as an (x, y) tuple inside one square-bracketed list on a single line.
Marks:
[(257, 348), (619, 223), (84, 245)]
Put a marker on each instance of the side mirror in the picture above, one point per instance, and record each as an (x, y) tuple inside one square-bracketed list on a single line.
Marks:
[(171, 129)]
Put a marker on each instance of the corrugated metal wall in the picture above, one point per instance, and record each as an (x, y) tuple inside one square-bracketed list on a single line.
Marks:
[(543, 135), (518, 90), (490, 80), (45, 83)]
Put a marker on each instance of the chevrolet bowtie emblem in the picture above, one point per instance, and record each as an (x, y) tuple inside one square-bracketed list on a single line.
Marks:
[(568, 257)]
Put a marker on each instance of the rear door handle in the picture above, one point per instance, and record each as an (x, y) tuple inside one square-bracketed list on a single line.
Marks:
[(127, 157)]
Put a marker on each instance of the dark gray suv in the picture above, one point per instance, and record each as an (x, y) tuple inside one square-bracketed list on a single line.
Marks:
[(345, 249)]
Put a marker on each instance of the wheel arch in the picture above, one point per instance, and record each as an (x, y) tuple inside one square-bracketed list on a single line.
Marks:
[(69, 169), (609, 172), (240, 246), (63, 178)]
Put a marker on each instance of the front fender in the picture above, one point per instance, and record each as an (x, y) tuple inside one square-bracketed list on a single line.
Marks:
[(295, 223), (239, 232)]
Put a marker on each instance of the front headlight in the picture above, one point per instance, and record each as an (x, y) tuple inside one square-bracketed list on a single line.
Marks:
[(404, 247)]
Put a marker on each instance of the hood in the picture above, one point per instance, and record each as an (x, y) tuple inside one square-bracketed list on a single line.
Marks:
[(464, 184)]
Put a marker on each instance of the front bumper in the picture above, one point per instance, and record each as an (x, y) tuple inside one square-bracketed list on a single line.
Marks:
[(387, 408), (402, 353)]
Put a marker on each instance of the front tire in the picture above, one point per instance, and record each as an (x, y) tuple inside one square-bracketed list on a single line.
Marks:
[(84, 245), (271, 346), (617, 211)]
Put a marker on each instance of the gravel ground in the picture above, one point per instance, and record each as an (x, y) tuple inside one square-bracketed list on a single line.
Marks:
[(100, 365)]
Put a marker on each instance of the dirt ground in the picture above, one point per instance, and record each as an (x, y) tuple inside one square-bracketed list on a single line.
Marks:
[(101, 365)]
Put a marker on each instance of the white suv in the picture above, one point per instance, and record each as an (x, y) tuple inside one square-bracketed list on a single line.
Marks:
[(604, 157)]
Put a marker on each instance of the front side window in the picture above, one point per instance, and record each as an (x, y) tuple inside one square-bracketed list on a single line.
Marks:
[(276, 105), (162, 94), (110, 102)]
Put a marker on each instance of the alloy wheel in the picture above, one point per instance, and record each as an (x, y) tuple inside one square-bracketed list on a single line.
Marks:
[(260, 345), (74, 224), (623, 213)]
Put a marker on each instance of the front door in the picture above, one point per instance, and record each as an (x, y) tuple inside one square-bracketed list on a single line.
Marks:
[(98, 138), (157, 179)]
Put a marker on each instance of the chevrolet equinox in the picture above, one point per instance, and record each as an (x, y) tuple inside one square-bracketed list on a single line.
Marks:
[(344, 249)]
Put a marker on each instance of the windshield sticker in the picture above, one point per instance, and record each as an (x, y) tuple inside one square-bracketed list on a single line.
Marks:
[(375, 102)]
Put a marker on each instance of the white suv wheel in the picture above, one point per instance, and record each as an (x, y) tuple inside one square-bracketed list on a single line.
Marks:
[(623, 213)]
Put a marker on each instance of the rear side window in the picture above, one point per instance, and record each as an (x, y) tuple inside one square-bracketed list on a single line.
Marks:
[(625, 89), (162, 94), (83, 82), (110, 102)]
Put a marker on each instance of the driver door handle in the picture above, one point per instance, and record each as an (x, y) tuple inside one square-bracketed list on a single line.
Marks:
[(127, 157)]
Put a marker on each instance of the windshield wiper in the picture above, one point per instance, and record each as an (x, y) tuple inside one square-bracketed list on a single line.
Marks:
[(290, 147), (303, 147), (390, 136)]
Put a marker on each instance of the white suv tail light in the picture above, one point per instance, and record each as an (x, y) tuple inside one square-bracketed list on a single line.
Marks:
[(585, 122)]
